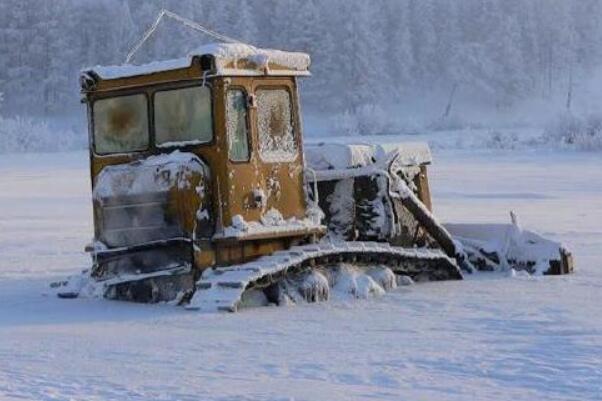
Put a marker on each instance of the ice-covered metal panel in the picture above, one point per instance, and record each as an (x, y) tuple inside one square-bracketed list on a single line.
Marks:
[(148, 200)]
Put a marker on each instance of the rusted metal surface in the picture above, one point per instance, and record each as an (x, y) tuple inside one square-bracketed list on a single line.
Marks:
[(421, 181), (231, 186), (564, 265)]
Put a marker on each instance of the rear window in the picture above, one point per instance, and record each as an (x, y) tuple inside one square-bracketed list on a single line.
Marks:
[(121, 124), (183, 116), (277, 142)]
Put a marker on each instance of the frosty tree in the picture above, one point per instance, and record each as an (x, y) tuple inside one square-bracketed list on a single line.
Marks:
[(503, 50)]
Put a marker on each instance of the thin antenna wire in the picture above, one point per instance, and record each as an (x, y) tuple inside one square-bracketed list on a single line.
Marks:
[(184, 21)]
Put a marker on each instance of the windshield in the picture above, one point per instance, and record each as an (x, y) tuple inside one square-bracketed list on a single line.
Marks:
[(183, 116), (121, 124)]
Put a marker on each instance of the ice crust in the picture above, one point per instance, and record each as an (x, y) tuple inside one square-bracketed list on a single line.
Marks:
[(274, 112)]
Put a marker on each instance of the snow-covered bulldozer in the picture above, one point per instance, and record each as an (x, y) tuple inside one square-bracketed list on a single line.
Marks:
[(204, 194)]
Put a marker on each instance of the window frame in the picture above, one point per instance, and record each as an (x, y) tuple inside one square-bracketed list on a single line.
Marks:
[(247, 122), (150, 133), (149, 92), (182, 144), (296, 130)]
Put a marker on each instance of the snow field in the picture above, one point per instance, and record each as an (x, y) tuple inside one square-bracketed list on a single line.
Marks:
[(490, 337)]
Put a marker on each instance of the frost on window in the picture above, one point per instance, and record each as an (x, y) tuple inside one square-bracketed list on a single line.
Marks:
[(183, 116), (238, 139), (277, 142), (120, 124)]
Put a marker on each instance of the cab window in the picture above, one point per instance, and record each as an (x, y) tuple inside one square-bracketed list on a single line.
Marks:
[(121, 124), (237, 127), (277, 141), (183, 116)]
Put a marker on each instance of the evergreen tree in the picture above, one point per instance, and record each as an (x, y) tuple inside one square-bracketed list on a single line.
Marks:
[(424, 40), (399, 45), (503, 50)]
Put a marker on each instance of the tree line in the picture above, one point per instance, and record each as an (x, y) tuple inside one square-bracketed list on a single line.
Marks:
[(363, 51)]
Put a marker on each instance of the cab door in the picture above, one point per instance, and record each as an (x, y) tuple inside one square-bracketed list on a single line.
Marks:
[(265, 166), (241, 178), (279, 146)]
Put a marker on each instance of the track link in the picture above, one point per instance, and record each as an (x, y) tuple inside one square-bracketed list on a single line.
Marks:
[(221, 289)]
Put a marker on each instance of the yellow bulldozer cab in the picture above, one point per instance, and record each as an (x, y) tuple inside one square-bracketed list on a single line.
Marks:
[(232, 111)]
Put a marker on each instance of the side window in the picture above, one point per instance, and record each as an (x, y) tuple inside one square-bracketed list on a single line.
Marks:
[(120, 124), (277, 142), (183, 116), (237, 129)]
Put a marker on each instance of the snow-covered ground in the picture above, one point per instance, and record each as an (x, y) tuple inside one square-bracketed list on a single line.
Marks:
[(491, 337)]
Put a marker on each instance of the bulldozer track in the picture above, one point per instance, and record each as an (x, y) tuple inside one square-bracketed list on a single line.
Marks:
[(221, 288)]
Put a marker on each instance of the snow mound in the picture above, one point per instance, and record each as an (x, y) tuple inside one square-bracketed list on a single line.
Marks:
[(314, 287), (384, 277), (349, 280), (272, 218)]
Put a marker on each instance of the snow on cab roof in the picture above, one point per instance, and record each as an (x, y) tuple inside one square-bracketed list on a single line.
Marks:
[(235, 59)]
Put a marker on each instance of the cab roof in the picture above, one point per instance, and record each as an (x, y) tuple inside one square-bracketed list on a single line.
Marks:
[(218, 59)]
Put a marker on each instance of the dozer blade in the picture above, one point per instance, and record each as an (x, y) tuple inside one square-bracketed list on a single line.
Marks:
[(507, 246), (221, 289)]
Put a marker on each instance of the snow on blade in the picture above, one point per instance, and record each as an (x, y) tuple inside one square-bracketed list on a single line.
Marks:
[(515, 247)]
